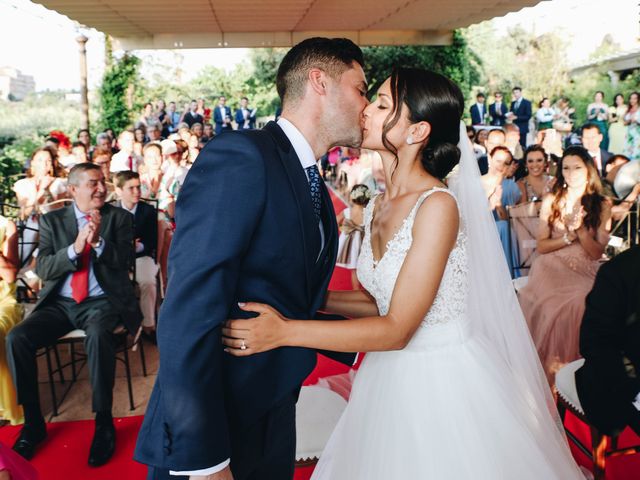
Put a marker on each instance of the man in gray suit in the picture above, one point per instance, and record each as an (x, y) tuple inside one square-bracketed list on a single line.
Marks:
[(85, 253)]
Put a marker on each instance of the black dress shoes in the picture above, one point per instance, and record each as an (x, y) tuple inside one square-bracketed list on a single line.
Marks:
[(103, 445), (30, 437)]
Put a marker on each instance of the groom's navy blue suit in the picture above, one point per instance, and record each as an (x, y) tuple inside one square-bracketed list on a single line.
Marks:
[(246, 231)]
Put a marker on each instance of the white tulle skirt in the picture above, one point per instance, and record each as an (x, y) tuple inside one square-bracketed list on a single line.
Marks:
[(444, 411)]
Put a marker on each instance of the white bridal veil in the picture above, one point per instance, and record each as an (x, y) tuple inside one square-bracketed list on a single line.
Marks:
[(493, 309)]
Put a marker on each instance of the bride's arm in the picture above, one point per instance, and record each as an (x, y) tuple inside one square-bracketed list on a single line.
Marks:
[(350, 303), (434, 234)]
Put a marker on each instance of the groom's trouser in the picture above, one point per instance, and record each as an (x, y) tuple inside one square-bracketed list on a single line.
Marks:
[(264, 451)]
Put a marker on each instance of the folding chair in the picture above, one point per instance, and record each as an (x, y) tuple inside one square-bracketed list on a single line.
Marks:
[(523, 228)]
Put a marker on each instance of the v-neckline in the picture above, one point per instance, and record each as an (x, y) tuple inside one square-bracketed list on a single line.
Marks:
[(397, 232)]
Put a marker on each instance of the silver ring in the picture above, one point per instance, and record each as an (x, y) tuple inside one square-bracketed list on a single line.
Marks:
[(243, 346)]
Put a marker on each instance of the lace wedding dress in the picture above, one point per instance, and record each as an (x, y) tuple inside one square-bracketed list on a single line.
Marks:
[(446, 406)]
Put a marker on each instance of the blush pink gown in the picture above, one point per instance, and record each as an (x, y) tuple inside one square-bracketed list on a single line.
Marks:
[(553, 302)]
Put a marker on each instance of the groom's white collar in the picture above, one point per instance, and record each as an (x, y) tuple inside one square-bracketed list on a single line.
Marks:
[(300, 144)]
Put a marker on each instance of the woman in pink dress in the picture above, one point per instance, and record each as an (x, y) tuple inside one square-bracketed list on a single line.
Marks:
[(573, 233)]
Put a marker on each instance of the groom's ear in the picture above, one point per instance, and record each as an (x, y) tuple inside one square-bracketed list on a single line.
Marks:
[(420, 131), (318, 81)]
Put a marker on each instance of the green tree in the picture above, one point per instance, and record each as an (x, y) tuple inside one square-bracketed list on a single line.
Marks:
[(118, 85), (455, 61)]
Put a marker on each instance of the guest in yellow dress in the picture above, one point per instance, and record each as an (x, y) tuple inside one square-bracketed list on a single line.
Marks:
[(10, 315), (617, 128)]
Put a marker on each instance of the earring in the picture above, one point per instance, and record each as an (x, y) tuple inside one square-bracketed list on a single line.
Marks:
[(410, 140), (564, 184)]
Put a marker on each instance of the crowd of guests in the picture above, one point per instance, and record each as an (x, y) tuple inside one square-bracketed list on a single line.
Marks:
[(554, 125), (577, 181), (110, 219), (112, 208)]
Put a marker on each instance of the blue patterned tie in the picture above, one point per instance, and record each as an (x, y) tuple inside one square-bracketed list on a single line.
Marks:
[(314, 187)]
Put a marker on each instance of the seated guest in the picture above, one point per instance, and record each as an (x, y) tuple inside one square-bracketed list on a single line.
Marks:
[(591, 140), (145, 221), (207, 132), (10, 315), (502, 192), (495, 138), (126, 158), (86, 250), (197, 130), (154, 132), (42, 186), (537, 183), (573, 233), (245, 116), (102, 157), (609, 339), (512, 141)]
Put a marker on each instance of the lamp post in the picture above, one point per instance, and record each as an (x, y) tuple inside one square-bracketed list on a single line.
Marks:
[(84, 90)]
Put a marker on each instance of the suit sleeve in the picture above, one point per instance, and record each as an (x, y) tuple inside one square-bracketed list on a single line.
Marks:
[(118, 252), (220, 204), (51, 265), (602, 324), (239, 117)]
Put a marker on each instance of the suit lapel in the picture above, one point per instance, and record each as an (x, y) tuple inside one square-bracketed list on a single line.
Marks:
[(300, 186), (70, 224)]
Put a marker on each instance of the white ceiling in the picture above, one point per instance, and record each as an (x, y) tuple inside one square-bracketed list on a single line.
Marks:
[(265, 23)]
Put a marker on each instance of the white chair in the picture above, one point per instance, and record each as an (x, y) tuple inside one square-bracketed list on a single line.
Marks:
[(317, 413), (568, 400), (519, 283)]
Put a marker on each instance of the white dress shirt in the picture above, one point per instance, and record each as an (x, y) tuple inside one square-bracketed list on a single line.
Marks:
[(120, 162), (95, 289), (307, 159)]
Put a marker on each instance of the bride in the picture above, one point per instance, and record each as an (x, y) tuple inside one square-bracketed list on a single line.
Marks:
[(454, 388)]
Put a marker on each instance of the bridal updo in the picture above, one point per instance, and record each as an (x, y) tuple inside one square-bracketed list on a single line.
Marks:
[(432, 98)]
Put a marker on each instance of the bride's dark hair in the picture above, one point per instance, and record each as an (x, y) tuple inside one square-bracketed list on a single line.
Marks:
[(432, 98)]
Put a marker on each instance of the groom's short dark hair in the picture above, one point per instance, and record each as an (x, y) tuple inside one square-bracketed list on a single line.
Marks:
[(332, 55)]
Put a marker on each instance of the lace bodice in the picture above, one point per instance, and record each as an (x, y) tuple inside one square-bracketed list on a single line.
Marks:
[(379, 278)]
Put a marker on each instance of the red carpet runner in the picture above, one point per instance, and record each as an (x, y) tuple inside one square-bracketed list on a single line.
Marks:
[(64, 456)]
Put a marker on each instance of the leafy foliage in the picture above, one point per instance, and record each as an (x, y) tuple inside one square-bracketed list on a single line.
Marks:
[(12, 160), (119, 78), (455, 61)]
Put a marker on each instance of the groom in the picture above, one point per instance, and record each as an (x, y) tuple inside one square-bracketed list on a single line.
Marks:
[(254, 222)]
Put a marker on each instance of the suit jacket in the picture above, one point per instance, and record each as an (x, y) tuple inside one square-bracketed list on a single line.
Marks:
[(246, 231), (191, 118), (498, 118), (58, 230), (145, 223), (240, 120), (219, 120), (604, 158), (610, 331), (476, 117), (523, 114)]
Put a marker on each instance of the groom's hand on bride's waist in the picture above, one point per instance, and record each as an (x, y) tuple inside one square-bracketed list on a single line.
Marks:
[(224, 474), (243, 337)]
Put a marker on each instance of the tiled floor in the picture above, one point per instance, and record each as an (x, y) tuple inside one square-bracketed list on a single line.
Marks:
[(77, 402)]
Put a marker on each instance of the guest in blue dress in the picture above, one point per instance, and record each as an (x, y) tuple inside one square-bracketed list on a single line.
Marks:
[(502, 192)]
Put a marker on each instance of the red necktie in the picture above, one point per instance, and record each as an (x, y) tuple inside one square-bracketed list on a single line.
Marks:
[(130, 163), (80, 278)]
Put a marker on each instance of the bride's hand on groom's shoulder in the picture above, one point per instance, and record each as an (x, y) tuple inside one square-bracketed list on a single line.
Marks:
[(248, 336)]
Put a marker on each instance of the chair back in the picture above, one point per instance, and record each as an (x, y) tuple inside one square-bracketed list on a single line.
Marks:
[(523, 225)]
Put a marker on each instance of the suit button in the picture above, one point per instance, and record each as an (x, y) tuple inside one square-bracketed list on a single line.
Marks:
[(167, 451)]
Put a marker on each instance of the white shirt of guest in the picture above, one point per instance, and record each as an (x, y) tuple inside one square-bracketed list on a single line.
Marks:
[(307, 159), (480, 111), (121, 160)]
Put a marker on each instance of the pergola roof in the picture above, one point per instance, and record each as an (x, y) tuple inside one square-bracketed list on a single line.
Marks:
[(272, 23)]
